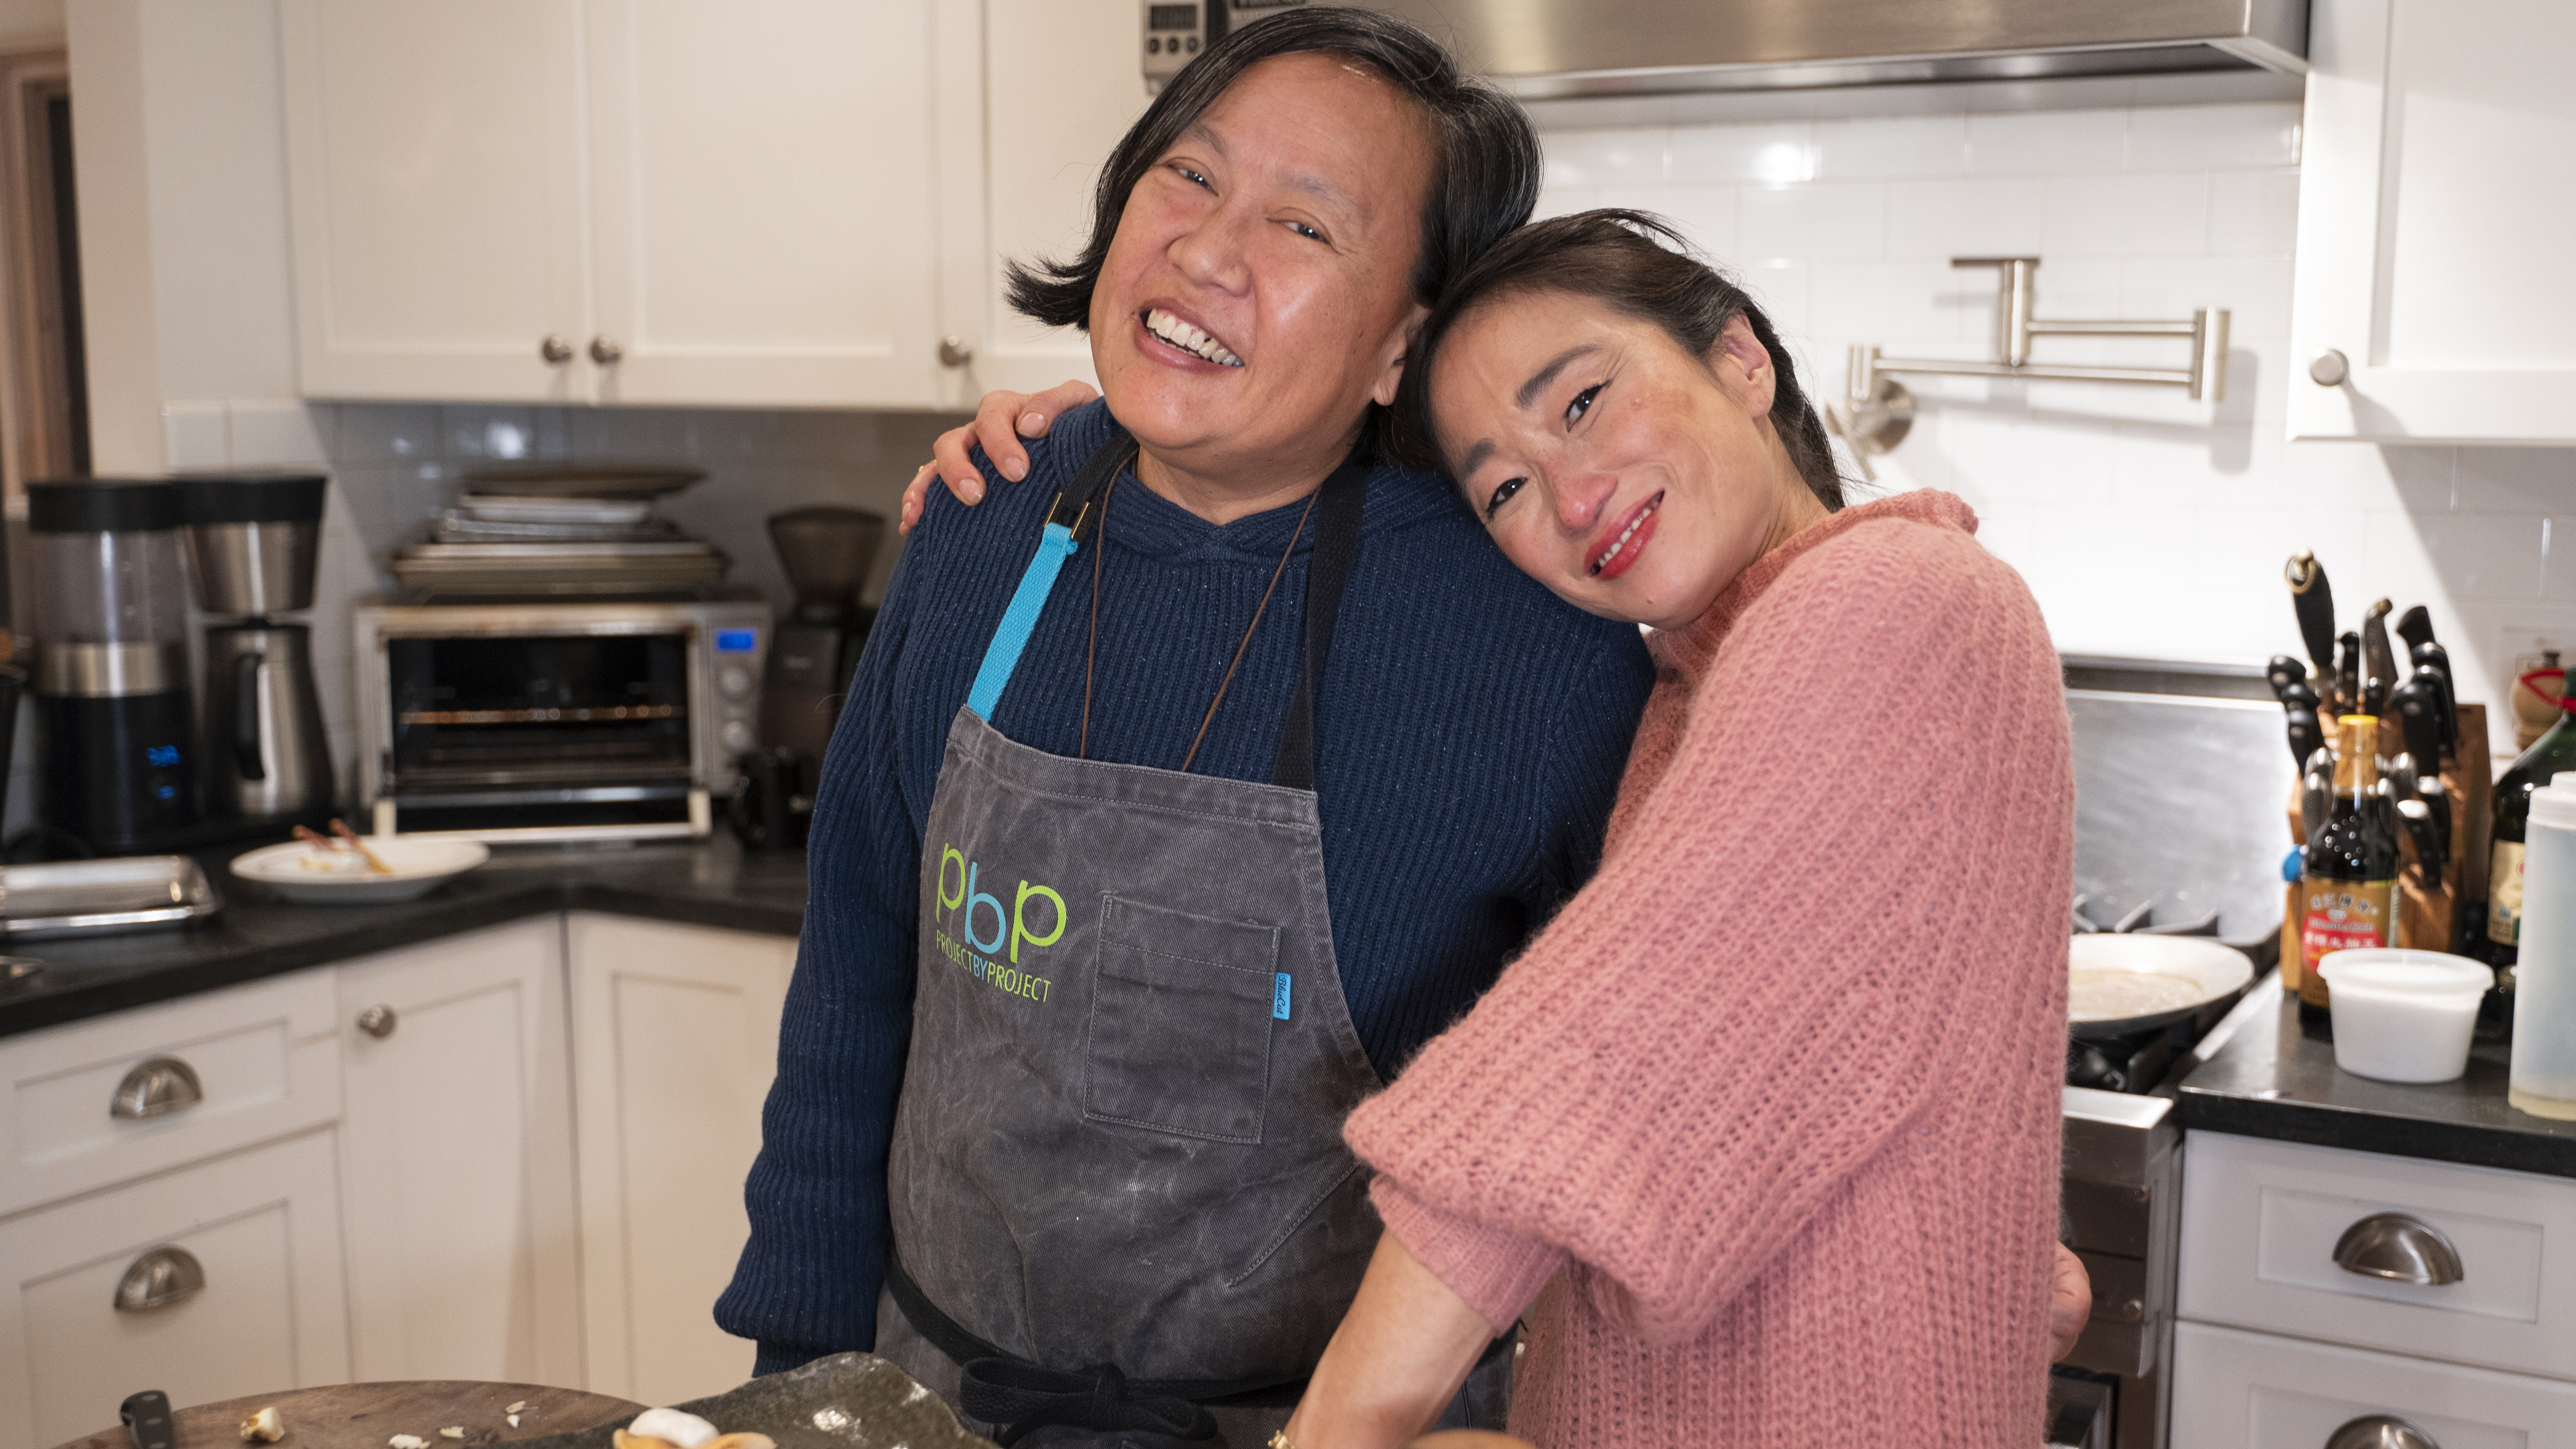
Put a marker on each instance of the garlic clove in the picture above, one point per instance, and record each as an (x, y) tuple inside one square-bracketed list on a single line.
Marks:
[(514, 1408), (682, 1431), (407, 1441), (263, 1427)]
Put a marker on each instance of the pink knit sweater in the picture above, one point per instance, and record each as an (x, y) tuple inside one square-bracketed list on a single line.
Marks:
[(1778, 1091)]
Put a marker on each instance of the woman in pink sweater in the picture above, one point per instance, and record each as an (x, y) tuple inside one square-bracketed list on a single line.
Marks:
[(1762, 1132)]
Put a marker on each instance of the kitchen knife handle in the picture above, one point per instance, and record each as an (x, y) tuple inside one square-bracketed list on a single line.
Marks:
[(2305, 735), (147, 1415), (2415, 626)]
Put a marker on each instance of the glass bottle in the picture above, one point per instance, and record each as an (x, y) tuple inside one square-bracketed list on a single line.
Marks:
[(2348, 881)]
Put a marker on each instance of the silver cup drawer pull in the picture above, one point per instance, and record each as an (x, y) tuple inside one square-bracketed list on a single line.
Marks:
[(2402, 1248), (155, 1087), (2380, 1431), (158, 1279)]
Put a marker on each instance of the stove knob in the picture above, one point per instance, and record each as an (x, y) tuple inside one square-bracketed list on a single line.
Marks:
[(734, 680), (736, 735)]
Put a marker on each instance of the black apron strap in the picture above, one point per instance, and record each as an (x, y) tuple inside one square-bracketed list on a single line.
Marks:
[(1337, 547), (1018, 1397)]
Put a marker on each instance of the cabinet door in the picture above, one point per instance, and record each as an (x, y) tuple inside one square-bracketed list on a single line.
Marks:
[(458, 1169), (675, 1039), (2234, 1390), (1061, 86), (2436, 197), (263, 1229), (764, 201), (435, 179)]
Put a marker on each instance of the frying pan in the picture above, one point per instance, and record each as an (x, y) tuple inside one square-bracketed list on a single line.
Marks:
[(2121, 985)]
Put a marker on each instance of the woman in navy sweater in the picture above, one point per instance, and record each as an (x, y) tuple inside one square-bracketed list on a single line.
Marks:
[(1183, 791)]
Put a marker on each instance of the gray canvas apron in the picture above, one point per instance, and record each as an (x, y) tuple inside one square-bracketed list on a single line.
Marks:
[(1122, 1209)]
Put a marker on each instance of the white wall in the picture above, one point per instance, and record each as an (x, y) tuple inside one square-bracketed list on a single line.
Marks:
[(2147, 525)]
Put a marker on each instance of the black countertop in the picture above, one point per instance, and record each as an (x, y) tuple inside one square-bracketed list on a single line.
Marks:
[(2272, 1080), (714, 883)]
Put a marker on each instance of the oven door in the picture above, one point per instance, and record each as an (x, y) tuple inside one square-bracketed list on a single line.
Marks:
[(508, 734)]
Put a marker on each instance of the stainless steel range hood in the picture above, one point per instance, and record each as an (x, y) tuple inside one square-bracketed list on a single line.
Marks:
[(1559, 49)]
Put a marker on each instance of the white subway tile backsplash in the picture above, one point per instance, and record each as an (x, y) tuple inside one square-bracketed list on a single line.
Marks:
[(1600, 158), (1820, 221), (1708, 215), (2126, 216), (1952, 217), (2255, 291), (2253, 211), (2177, 138), (1891, 303), (2518, 480), (1904, 146), (1777, 155), (387, 432), (2054, 142)]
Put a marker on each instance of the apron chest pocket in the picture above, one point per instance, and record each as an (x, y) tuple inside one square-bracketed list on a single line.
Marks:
[(1180, 1022)]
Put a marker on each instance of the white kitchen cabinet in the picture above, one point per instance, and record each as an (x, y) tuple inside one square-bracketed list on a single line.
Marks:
[(2437, 196), (435, 167), (221, 1070), (2236, 1390), (1061, 86), (624, 201), (457, 1164), (675, 1040), (262, 1228)]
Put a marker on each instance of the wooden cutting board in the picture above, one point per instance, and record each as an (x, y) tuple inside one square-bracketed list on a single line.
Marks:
[(366, 1416)]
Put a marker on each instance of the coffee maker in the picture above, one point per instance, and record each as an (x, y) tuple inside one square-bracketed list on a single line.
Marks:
[(253, 539), (827, 552), (112, 701)]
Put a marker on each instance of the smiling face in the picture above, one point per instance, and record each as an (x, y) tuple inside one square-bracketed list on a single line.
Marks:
[(1258, 292), (1630, 477)]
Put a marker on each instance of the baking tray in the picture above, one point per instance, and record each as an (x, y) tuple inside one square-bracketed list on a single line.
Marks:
[(559, 568), (92, 897)]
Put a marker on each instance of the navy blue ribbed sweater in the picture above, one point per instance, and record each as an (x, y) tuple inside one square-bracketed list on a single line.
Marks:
[(1470, 733)]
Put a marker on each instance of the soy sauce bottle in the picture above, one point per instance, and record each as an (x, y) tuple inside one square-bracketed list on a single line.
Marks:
[(2348, 877)]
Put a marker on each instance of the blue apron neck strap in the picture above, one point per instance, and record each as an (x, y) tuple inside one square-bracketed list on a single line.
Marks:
[(1070, 519)]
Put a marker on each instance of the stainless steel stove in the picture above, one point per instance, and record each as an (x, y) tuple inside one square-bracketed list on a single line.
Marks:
[(2182, 778)]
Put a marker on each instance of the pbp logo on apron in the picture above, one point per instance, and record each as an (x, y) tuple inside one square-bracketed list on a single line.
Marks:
[(965, 908)]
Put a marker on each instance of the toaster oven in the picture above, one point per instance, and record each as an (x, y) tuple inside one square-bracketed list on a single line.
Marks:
[(530, 721)]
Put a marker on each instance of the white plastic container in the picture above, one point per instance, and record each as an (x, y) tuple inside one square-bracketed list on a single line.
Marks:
[(2403, 1016), (2543, 1080)]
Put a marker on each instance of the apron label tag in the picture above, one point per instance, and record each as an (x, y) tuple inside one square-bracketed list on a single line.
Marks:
[(1279, 997)]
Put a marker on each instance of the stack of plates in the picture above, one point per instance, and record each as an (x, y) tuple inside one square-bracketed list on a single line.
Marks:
[(555, 529)]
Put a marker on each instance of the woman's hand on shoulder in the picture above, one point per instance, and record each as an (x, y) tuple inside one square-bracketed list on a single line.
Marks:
[(1001, 420)]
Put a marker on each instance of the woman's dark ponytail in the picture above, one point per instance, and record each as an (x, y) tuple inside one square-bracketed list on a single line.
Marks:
[(1638, 264)]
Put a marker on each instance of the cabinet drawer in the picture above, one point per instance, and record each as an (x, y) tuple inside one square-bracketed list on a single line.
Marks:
[(2238, 1390), (263, 1060), (260, 1231), (2260, 1221)]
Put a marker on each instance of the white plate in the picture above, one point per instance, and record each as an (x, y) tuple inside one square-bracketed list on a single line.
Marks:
[(419, 866)]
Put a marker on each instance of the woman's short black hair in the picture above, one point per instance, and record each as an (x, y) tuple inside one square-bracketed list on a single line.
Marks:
[(1634, 263), (1485, 167)]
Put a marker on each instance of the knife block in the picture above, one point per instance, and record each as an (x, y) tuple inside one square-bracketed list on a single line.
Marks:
[(2427, 919)]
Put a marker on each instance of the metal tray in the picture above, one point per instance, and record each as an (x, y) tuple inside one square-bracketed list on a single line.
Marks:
[(450, 569), (91, 897)]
